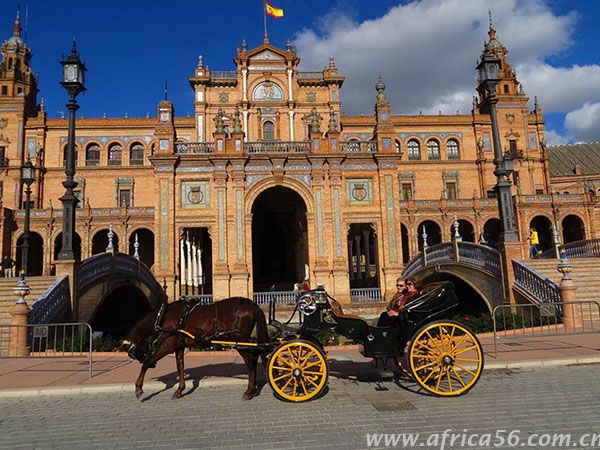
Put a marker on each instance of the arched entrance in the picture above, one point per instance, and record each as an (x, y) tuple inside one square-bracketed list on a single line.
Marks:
[(36, 254), (573, 229), (145, 240), (119, 311), (76, 246), (100, 241), (405, 243), (491, 232), (362, 256), (434, 233), (279, 240), (465, 229), (543, 227)]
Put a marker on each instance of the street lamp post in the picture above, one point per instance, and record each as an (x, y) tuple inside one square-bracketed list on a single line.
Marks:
[(28, 177), (488, 69), (73, 73)]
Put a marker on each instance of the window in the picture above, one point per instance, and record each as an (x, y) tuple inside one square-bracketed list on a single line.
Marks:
[(4, 90), (397, 145), (268, 131), (124, 198), (136, 155), (450, 190), (433, 149), (506, 88), (3, 156), (512, 145), (490, 193), (92, 155), (65, 155), (539, 192), (115, 155), (407, 192), (452, 148), (414, 150)]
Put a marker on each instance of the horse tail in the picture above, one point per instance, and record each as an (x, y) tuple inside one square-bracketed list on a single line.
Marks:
[(138, 339)]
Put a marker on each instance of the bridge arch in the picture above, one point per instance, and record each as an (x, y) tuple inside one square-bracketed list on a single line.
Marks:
[(116, 285)]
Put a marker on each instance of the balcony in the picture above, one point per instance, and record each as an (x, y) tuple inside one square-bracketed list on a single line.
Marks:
[(277, 147), (358, 146)]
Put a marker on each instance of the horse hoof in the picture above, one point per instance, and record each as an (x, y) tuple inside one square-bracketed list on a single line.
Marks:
[(177, 394), (138, 394), (249, 396)]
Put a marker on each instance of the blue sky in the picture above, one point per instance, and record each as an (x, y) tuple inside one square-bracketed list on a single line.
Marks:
[(425, 50)]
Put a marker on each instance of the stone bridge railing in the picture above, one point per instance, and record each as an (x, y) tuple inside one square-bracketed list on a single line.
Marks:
[(588, 248), (474, 255), (53, 303), (538, 287), (104, 265)]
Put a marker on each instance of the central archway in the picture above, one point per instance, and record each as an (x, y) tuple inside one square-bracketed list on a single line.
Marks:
[(279, 239)]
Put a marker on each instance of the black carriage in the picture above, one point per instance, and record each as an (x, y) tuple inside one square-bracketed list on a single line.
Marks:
[(444, 357)]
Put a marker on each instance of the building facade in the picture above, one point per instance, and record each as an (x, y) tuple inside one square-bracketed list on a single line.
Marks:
[(268, 184)]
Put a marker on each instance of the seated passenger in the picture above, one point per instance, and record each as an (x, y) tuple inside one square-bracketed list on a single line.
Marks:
[(407, 290)]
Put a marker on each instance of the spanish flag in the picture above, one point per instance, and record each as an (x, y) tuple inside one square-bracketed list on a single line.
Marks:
[(270, 10)]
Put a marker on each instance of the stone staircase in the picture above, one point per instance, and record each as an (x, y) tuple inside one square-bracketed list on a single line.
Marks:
[(8, 298), (585, 275)]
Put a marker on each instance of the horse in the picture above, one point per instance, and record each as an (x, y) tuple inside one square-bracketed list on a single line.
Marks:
[(179, 325)]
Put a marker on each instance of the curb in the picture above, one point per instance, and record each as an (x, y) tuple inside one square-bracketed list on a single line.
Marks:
[(218, 382)]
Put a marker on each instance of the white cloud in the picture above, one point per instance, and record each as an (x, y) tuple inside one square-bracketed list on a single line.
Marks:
[(426, 51), (554, 138), (584, 123)]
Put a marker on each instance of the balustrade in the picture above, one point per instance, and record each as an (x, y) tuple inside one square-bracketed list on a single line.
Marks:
[(277, 147), (194, 147), (279, 297), (537, 286), (365, 295), (358, 146), (52, 304)]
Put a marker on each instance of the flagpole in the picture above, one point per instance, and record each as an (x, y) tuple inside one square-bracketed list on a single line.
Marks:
[(265, 19)]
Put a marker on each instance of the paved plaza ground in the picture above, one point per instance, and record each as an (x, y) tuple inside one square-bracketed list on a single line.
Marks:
[(539, 400)]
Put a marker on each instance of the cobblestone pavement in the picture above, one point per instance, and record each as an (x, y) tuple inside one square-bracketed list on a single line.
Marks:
[(551, 400)]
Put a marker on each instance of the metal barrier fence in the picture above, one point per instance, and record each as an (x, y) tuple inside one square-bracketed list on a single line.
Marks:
[(278, 297), (53, 340), (547, 319), (365, 295)]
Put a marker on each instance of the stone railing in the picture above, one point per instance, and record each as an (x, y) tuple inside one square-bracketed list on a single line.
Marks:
[(277, 147), (279, 297), (223, 74), (310, 75), (105, 264), (479, 256), (537, 286), (52, 304), (194, 147), (365, 295), (358, 146), (588, 248)]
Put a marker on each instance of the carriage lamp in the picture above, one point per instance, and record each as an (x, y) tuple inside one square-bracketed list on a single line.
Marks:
[(73, 80), (27, 177)]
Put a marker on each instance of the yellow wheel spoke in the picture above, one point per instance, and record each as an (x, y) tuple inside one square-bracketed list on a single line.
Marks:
[(287, 369), (458, 376), (465, 369), (461, 340), (282, 377), (295, 387), (426, 348), (430, 374), (467, 359), (303, 386), (443, 337), (312, 373), (311, 382), (291, 355), (284, 360), (316, 363), (449, 379), (439, 379), (466, 349), (287, 383), (426, 356), (433, 341), (425, 366)]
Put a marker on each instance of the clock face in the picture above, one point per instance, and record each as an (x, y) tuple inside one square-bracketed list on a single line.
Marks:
[(70, 73)]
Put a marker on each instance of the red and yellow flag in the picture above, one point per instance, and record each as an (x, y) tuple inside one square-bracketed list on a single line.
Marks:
[(270, 10)]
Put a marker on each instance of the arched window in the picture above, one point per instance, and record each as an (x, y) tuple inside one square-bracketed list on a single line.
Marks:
[(268, 131), (115, 155), (433, 149), (414, 150), (397, 145), (452, 147), (65, 155), (136, 154), (92, 155)]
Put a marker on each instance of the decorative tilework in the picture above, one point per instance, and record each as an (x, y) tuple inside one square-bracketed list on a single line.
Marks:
[(360, 191), (82, 140), (304, 177), (251, 179), (195, 194), (443, 135), (338, 229), (533, 140), (487, 142), (319, 202), (164, 224), (221, 207), (389, 203), (194, 169), (354, 166), (31, 147)]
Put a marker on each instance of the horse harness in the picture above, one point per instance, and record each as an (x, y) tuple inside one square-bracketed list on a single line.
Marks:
[(189, 305)]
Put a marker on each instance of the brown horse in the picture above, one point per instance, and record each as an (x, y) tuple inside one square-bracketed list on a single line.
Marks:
[(232, 319)]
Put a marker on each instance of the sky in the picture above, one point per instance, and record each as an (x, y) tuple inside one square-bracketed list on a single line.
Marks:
[(426, 51)]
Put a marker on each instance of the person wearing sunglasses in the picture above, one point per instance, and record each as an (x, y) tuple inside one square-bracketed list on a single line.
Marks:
[(407, 289)]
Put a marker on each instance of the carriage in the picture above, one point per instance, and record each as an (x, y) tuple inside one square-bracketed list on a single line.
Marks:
[(444, 357)]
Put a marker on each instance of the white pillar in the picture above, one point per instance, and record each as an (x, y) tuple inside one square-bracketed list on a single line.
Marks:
[(245, 114), (290, 96), (194, 265), (245, 83), (292, 136), (200, 274), (182, 261), (200, 128), (189, 262)]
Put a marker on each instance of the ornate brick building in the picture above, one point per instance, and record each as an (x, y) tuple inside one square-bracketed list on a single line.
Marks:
[(268, 183)]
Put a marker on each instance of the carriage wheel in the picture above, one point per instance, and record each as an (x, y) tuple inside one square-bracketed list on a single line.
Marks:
[(445, 358), (297, 371)]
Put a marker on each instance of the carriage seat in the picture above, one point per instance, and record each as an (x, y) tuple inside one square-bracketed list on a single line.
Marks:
[(354, 327)]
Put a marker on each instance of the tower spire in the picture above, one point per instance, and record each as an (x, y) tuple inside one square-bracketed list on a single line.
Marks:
[(17, 26), (491, 30)]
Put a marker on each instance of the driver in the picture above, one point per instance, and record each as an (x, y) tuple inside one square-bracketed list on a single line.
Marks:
[(407, 289)]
